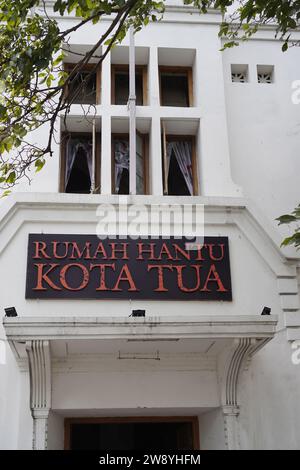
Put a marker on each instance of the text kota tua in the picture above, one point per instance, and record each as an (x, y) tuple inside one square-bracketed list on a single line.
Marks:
[(116, 276)]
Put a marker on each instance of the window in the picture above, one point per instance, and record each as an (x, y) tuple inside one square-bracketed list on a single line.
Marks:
[(79, 167), (120, 163), (265, 73), (239, 73), (120, 85), (84, 88), (179, 165), (176, 86)]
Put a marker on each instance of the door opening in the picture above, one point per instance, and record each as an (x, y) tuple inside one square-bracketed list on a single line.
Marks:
[(136, 433)]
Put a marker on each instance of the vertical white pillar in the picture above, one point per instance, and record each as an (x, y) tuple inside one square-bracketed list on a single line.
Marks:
[(105, 167), (106, 81), (132, 118), (155, 153), (93, 158), (155, 157), (106, 155), (153, 78), (214, 148), (231, 427), (40, 429)]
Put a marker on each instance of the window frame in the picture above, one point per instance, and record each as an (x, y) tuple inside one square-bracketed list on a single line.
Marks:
[(191, 138), (145, 137), (125, 67), (68, 67), (177, 70), (62, 168)]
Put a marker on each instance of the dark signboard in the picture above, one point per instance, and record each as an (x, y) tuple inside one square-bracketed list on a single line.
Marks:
[(86, 267)]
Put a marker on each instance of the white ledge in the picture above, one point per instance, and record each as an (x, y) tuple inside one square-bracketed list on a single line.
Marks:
[(60, 327), (52, 207)]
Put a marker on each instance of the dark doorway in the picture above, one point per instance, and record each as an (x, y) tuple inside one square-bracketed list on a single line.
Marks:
[(132, 434)]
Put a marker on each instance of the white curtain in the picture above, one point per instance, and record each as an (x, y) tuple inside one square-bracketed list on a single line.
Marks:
[(121, 160), (183, 154), (73, 145)]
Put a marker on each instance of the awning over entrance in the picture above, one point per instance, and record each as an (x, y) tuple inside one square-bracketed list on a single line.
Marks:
[(230, 341)]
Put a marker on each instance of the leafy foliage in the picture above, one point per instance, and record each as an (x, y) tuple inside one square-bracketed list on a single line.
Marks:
[(33, 84), (32, 80), (293, 218), (248, 15)]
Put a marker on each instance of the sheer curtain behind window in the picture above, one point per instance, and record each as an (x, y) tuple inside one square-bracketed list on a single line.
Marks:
[(139, 164), (182, 150), (121, 160)]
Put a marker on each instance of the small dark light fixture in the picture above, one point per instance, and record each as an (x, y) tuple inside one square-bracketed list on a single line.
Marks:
[(266, 311), (138, 313), (10, 312)]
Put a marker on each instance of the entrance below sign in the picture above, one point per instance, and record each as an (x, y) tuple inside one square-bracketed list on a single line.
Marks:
[(151, 433)]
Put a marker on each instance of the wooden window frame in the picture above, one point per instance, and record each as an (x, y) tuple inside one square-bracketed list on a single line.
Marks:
[(177, 70), (145, 138), (133, 419), (124, 67), (191, 138), (68, 67), (62, 169)]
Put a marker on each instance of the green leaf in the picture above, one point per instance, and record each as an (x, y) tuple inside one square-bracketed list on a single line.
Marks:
[(8, 143), (296, 212), (5, 193), (293, 240), (286, 219), (11, 177), (39, 164), (49, 81)]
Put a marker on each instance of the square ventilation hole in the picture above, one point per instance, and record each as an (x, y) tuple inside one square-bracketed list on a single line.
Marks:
[(239, 73), (265, 73)]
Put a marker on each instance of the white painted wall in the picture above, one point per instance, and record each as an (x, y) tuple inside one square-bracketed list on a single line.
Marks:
[(55, 431), (138, 385), (270, 395), (211, 426), (10, 397), (25, 425), (264, 127)]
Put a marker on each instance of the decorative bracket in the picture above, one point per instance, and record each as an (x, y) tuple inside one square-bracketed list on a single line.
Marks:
[(39, 359), (230, 367)]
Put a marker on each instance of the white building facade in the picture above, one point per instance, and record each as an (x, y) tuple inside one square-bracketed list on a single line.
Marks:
[(218, 367)]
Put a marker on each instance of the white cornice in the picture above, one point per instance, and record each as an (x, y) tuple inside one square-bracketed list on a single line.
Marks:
[(21, 208), (196, 327), (185, 14)]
